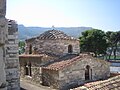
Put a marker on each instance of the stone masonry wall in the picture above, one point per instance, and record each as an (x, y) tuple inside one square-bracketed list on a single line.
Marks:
[(2, 71), (3, 33), (11, 57), (50, 78), (75, 74), (9, 63), (36, 62), (56, 47)]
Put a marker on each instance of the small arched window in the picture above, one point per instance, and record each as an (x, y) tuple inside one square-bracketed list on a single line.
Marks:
[(28, 70), (30, 49), (70, 49), (87, 73)]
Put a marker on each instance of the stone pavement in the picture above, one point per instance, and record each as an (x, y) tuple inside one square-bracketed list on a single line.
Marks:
[(28, 86)]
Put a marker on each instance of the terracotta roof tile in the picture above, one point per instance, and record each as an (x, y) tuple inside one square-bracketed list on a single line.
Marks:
[(30, 55), (52, 35), (109, 84), (64, 63)]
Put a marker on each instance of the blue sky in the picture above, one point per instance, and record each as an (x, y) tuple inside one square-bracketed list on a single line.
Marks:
[(100, 14)]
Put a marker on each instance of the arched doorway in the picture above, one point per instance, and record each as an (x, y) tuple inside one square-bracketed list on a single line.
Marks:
[(88, 73), (70, 49)]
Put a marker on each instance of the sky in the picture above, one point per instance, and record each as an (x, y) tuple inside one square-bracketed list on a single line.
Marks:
[(99, 14)]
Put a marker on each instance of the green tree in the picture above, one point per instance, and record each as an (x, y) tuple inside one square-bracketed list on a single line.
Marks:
[(113, 39), (21, 47), (93, 41)]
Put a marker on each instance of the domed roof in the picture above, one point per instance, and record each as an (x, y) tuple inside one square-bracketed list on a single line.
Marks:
[(54, 34)]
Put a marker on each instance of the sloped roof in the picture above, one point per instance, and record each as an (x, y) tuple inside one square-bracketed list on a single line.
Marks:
[(54, 34), (64, 63), (30, 55), (61, 64), (109, 84)]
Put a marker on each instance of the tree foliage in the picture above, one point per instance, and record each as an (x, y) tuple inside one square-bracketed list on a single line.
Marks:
[(113, 39), (93, 41), (21, 47)]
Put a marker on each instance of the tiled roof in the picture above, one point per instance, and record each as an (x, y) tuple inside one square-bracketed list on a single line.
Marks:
[(30, 55), (54, 34), (61, 64), (109, 84)]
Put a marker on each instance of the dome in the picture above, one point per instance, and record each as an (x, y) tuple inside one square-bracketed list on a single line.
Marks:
[(54, 34)]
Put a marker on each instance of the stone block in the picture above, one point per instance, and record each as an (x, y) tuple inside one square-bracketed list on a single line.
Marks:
[(12, 74)]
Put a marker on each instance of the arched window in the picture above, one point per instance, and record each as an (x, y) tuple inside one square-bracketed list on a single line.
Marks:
[(28, 69), (87, 73), (30, 72), (30, 49), (70, 49)]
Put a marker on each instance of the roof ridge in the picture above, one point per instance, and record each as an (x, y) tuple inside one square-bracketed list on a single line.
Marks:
[(61, 64)]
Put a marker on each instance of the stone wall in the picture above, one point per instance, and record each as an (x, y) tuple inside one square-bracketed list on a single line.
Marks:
[(2, 71), (11, 57), (74, 74), (2, 8), (35, 62), (3, 32), (55, 47), (9, 63), (50, 78)]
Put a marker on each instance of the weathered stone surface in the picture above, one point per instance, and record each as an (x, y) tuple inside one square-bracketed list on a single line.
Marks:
[(2, 8), (53, 44), (71, 72), (3, 30), (9, 62), (36, 62), (11, 57), (64, 68), (2, 70)]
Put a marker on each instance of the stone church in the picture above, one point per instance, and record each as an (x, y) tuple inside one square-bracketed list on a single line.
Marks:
[(9, 61), (53, 42), (73, 72), (53, 59)]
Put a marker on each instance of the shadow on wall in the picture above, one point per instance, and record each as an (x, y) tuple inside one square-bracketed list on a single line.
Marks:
[(22, 89)]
